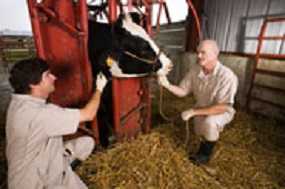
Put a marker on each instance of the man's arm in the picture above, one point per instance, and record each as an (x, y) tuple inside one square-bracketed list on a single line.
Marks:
[(89, 111), (176, 90), (210, 110)]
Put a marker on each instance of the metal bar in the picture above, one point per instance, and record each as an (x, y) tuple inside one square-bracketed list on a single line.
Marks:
[(148, 10), (270, 88), (147, 110), (273, 38), (36, 28), (262, 16), (112, 5), (128, 115), (196, 17), (116, 107), (167, 12), (268, 102), (251, 55), (72, 30), (272, 56), (158, 17), (266, 38), (47, 11), (87, 80), (275, 19), (272, 73)]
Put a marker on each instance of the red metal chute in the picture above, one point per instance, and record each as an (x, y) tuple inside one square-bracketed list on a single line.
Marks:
[(60, 31)]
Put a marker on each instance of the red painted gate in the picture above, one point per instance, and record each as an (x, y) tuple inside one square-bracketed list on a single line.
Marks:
[(60, 29)]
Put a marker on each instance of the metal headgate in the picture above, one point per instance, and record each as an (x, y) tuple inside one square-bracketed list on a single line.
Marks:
[(60, 29)]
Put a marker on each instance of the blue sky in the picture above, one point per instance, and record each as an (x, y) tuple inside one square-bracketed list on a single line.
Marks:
[(14, 13)]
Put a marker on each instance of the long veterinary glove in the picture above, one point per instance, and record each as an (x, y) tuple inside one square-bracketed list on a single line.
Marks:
[(163, 81), (187, 114), (101, 82)]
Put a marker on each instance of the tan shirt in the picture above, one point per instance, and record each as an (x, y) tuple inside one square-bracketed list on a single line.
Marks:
[(220, 86), (34, 150)]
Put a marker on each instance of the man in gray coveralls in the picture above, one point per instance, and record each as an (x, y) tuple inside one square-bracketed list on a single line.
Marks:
[(214, 87), (37, 156)]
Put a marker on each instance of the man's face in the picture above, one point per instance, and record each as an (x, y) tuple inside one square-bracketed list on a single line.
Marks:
[(206, 55), (47, 82)]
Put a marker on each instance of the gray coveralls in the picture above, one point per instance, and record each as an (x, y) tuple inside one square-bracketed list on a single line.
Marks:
[(35, 148)]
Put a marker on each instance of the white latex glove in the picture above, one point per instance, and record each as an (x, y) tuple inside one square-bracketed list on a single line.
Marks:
[(163, 81), (101, 82), (187, 114)]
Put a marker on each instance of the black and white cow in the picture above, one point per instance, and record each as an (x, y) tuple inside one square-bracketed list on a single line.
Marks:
[(129, 46), (123, 49)]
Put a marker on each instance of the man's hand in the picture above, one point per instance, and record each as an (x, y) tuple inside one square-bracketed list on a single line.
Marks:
[(101, 82), (186, 115), (163, 81)]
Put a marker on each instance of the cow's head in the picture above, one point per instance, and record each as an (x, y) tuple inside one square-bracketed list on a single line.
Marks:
[(135, 52)]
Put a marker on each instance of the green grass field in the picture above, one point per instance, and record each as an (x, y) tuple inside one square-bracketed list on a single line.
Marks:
[(13, 55)]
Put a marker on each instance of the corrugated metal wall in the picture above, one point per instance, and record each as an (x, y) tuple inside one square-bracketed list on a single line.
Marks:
[(236, 24)]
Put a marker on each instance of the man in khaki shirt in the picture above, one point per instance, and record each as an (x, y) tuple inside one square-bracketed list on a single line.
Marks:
[(37, 156), (214, 87)]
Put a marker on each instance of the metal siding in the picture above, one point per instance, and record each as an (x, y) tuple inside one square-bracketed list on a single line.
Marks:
[(206, 20), (236, 24), (277, 7), (239, 10), (211, 12), (223, 22), (282, 48)]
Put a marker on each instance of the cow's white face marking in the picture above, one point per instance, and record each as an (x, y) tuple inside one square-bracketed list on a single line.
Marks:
[(137, 30)]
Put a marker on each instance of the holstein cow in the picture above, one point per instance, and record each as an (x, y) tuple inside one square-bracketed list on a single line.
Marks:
[(123, 49)]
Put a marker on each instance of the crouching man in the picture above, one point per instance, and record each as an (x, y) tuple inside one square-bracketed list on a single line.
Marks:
[(37, 156), (214, 87)]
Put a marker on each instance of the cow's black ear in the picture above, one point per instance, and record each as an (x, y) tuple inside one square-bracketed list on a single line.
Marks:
[(122, 15), (120, 19), (136, 17)]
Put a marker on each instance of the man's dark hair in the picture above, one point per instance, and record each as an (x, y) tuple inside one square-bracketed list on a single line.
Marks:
[(27, 72)]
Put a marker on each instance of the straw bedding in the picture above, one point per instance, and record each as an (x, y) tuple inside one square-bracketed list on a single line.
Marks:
[(250, 154)]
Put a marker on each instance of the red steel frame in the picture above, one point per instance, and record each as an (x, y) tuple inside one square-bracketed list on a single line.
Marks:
[(148, 4), (196, 17), (257, 58), (60, 31)]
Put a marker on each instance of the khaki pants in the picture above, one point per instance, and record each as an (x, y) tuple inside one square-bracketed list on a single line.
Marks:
[(210, 127), (80, 148)]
